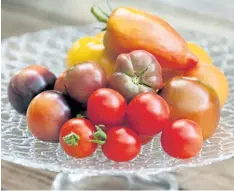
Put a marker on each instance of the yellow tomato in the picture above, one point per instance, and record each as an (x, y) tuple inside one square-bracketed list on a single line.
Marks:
[(201, 54), (213, 77), (90, 49), (101, 34)]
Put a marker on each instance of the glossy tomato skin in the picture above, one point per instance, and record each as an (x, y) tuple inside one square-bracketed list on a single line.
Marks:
[(148, 114), (190, 98), (83, 79), (60, 83), (214, 77), (107, 107), (76, 107), (201, 54), (135, 73), (183, 139), (28, 83), (46, 114), (145, 139), (167, 74), (85, 130), (131, 29), (122, 144)]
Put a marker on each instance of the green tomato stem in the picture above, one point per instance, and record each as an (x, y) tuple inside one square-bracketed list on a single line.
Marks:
[(71, 139), (103, 12), (98, 16), (82, 114), (99, 136), (104, 29)]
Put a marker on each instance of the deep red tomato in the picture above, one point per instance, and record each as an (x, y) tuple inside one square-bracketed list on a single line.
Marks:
[(183, 139), (145, 139), (75, 137), (148, 114), (107, 107), (122, 144)]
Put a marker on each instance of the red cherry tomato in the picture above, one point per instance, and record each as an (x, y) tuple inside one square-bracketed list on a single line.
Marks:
[(122, 144), (145, 139), (183, 139), (75, 137), (107, 107), (148, 114)]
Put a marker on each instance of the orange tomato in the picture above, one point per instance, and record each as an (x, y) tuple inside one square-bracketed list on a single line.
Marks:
[(211, 75), (190, 98), (130, 29), (201, 54), (198, 51)]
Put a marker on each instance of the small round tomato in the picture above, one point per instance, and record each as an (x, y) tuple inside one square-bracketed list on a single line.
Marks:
[(27, 84), (145, 139), (122, 144), (84, 78), (148, 114), (60, 83), (76, 137), (183, 139), (46, 115), (107, 107)]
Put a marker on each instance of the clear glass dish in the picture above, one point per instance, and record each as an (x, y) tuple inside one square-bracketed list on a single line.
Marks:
[(49, 48)]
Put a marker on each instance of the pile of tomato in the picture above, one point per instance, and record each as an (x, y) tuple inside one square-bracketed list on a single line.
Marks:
[(121, 90)]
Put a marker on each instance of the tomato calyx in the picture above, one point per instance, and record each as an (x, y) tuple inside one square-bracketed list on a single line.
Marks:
[(81, 115), (71, 139), (99, 136), (137, 77), (136, 80)]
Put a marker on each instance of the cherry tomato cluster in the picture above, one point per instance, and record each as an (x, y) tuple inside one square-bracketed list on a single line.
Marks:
[(82, 113), (120, 90), (127, 127)]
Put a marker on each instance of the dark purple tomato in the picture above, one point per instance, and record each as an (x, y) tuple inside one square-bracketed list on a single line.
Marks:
[(46, 114), (83, 79), (76, 107), (28, 83)]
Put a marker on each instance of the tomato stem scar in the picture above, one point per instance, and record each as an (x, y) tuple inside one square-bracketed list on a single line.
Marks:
[(71, 139)]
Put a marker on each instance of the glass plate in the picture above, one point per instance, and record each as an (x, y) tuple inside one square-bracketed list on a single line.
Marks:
[(49, 48)]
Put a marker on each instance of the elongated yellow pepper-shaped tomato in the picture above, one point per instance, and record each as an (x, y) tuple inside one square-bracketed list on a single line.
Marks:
[(131, 29)]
